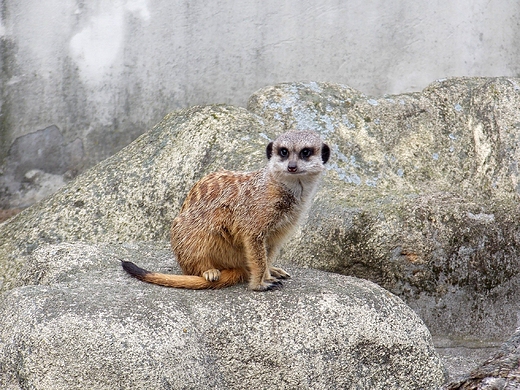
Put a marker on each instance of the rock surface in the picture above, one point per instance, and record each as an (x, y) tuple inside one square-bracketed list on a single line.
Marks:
[(135, 194), (500, 371), (81, 322), (421, 198)]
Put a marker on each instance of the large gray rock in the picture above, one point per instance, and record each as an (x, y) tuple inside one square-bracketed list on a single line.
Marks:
[(102, 72), (135, 194), (500, 371), (421, 196), (71, 318), (81, 323)]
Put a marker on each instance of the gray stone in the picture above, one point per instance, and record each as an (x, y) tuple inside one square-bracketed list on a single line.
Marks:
[(45, 152), (80, 322), (73, 318), (421, 196), (105, 72), (134, 195), (500, 371)]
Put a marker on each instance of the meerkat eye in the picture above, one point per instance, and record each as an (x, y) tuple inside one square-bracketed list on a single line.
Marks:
[(306, 152), (284, 152)]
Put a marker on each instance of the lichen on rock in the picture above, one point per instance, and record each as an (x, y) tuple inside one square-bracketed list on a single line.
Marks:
[(421, 195)]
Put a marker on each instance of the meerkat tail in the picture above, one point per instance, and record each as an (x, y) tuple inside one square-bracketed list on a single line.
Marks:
[(228, 277)]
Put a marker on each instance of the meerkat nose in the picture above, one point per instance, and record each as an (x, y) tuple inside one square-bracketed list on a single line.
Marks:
[(292, 167)]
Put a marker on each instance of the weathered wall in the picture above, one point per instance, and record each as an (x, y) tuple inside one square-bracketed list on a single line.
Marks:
[(102, 72)]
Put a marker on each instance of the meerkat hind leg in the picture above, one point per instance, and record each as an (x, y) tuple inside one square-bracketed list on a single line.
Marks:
[(211, 275), (278, 273)]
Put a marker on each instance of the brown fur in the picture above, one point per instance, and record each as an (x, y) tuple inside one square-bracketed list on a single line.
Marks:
[(232, 224)]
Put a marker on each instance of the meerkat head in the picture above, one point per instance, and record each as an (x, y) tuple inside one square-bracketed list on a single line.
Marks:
[(297, 153)]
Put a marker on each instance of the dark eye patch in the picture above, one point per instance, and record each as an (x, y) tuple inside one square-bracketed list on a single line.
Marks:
[(306, 153), (283, 152)]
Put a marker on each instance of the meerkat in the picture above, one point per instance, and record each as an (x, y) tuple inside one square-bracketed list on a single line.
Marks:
[(232, 225)]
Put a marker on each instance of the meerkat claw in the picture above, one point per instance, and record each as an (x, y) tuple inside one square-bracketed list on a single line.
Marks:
[(211, 275), (279, 273), (268, 285)]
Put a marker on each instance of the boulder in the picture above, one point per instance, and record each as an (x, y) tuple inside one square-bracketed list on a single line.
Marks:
[(500, 371), (421, 196), (79, 322), (135, 194), (73, 319)]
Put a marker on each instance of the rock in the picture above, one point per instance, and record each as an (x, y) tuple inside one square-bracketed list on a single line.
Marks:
[(5, 214), (36, 165), (80, 322), (37, 185), (73, 319), (501, 371), (421, 196), (135, 194)]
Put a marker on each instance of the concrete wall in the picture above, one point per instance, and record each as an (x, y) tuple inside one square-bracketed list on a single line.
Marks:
[(81, 79)]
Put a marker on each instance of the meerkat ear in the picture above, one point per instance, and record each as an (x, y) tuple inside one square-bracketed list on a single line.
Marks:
[(269, 150), (325, 153)]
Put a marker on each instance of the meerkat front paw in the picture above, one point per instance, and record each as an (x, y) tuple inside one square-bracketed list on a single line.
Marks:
[(211, 275), (278, 273)]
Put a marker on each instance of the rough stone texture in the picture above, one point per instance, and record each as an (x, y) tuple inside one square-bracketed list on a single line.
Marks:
[(81, 322), (421, 196), (135, 194), (501, 371), (37, 165), (462, 357), (6, 214), (104, 72)]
